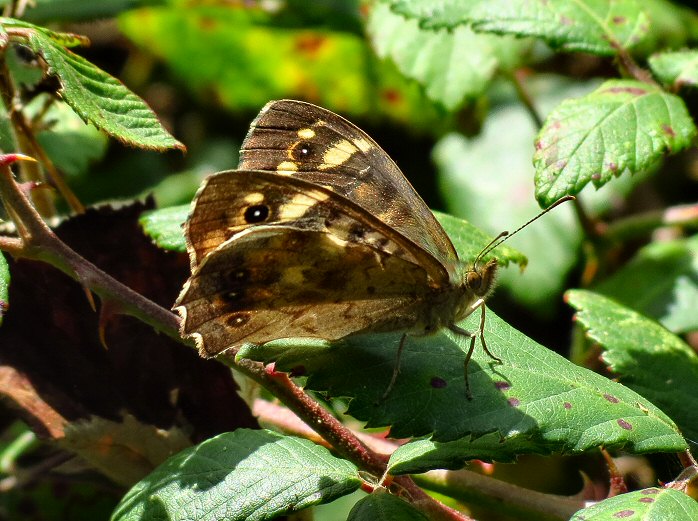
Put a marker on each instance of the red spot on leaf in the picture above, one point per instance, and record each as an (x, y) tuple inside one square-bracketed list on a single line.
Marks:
[(650, 491), (310, 43), (624, 513), (627, 90), (208, 23), (625, 425), (438, 383), (619, 20), (612, 167), (502, 386), (646, 500), (595, 177), (567, 405), (611, 398), (392, 96), (514, 402), (668, 130)]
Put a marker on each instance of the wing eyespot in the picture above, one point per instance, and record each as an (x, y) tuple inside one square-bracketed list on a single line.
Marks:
[(237, 319), (256, 213)]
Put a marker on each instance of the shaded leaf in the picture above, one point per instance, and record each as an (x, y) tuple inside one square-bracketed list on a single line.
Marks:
[(624, 126), (164, 226), (220, 479), (534, 394), (381, 506), (669, 289), (650, 503), (453, 65), (679, 68), (96, 96), (595, 26), (647, 357)]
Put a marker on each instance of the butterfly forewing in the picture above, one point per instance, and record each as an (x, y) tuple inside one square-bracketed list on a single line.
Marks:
[(265, 198), (276, 281), (305, 141)]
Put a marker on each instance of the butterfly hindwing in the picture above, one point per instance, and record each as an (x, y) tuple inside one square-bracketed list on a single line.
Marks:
[(275, 281), (302, 140)]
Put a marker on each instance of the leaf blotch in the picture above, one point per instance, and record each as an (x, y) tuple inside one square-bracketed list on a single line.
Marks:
[(627, 90), (310, 44), (438, 383), (624, 425), (514, 402), (502, 385), (646, 500), (624, 513), (668, 130), (611, 398), (650, 491), (618, 20)]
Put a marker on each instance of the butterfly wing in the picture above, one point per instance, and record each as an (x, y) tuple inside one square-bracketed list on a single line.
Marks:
[(231, 202), (276, 281), (306, 141)]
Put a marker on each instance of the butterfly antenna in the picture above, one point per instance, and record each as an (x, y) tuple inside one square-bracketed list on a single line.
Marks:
[(499, 239)]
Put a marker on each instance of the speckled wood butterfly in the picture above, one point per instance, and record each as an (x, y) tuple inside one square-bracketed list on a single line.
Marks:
[(319, 234)]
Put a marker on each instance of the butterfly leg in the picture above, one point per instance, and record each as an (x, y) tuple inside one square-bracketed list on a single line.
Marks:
[(482, 336), (396, 368)]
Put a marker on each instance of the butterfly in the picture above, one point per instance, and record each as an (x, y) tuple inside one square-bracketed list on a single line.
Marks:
[(319, 234)]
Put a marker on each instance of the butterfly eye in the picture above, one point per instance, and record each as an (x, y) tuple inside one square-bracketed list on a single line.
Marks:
[(256, 214), (473, 280)]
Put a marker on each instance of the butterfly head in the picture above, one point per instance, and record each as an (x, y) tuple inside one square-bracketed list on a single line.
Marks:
[(479, 278)]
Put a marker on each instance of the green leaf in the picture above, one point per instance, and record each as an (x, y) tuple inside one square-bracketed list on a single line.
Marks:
[(164, 226), (679, 68), (594, 26), (647, 504), (453, 65), (669, 289), (381, 506), (246, 57), (4, 286), (623, 126), (671, 26), (535, 393), (77, 10), (648, 358), (96, 96), (469, 241), (242, 475), (71, 144)]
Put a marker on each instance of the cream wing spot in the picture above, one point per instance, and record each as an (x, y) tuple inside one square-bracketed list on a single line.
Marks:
[(338, 154), (299, 204), (306, 133), (363, 144), (287, 168), (254, 198)]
